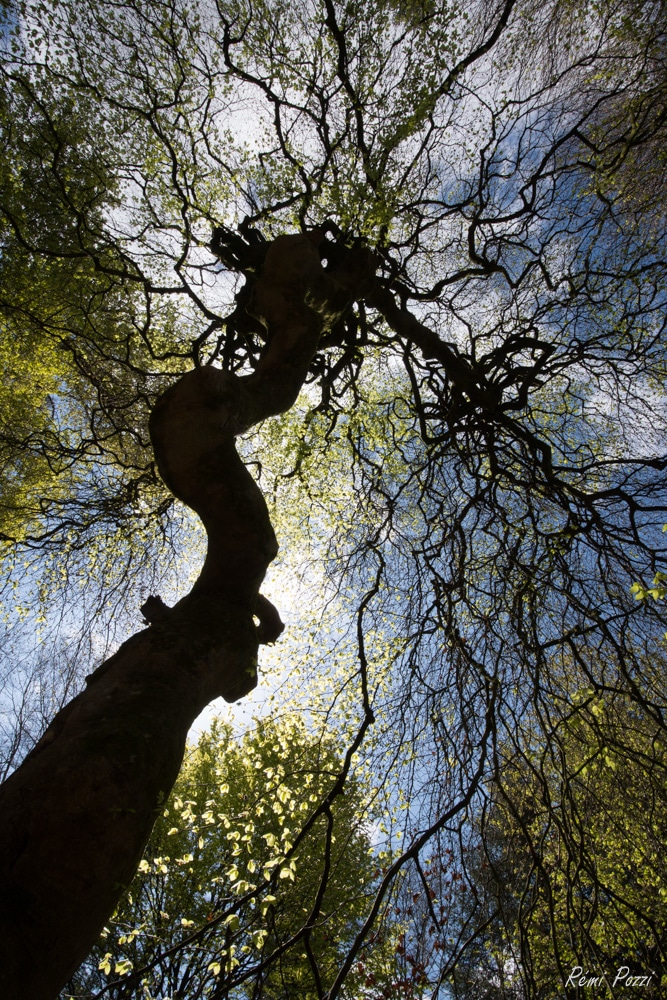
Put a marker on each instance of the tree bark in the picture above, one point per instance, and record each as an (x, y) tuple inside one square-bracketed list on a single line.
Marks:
[(76, 815)]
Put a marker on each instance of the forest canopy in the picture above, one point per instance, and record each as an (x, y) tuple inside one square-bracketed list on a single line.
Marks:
[(469, 491)]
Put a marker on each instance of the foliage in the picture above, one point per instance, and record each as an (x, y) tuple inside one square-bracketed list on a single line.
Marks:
[(247, 875), (571, 855)]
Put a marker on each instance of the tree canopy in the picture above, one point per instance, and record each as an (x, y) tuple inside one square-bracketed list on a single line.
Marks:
[(469, 491)]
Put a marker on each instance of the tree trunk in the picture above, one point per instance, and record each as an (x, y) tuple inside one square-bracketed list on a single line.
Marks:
[(78, 812)]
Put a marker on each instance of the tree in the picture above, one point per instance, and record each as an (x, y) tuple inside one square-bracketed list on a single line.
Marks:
[(230, 869), (209, 638), (575, 872), (396, 241)]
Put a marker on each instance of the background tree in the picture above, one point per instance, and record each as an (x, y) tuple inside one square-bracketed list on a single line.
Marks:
[(574, 874), (232, 867), (473, 475)]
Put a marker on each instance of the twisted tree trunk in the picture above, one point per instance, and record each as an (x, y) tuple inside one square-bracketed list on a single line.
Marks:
[(75, 817)]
